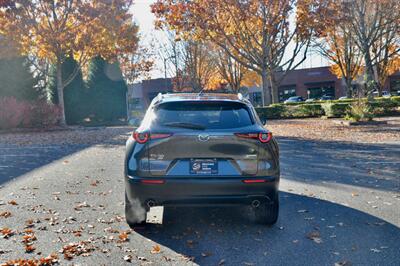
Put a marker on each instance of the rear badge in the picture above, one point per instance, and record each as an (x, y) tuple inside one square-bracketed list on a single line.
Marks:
[(155, 215), (204, 137)]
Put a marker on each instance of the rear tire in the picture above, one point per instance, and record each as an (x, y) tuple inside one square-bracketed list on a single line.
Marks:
[(135, 214), (267, 213)]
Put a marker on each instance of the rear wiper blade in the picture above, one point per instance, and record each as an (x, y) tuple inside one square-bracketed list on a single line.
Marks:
[(185, 125)]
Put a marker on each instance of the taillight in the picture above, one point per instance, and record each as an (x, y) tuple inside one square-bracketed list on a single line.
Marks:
[(159, 136), (263, 137), (141, 137), (145, 136)]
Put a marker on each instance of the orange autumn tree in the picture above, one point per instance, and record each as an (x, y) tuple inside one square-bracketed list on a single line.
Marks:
[(376, 27), (230, 71), (337, 43), (52, 30), (257, 34)]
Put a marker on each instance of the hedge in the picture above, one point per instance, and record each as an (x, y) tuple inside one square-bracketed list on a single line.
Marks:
[(335, 108)]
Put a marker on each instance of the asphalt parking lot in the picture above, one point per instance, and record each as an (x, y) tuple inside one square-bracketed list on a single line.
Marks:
[(340, 203)]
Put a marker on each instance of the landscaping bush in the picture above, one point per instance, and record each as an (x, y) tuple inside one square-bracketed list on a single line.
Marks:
[(44, 114), (336, 108), (273, 111), (332, 109), (360, 111), (305, 110), (14, 113)]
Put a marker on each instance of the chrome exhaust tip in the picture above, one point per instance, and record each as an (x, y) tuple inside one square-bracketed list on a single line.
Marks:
[(255, 203)]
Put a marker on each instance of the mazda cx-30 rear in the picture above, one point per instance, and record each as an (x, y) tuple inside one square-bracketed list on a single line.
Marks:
[(201, 149)]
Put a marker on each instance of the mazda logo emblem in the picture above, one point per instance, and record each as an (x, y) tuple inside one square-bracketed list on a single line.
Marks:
[(204, 137)]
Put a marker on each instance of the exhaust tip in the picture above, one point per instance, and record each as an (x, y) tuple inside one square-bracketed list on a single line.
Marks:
[(255, 203), (151, 203)]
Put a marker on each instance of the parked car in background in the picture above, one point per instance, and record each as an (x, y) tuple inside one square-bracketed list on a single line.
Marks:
[(310, 100), (385, 94), (201, 149), (327, 98), (343, 98), (294, 99)]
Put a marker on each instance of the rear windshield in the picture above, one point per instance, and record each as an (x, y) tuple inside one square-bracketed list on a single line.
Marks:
[(203, 115)]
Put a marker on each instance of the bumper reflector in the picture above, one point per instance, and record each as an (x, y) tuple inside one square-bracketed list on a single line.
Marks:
[(250, 181), (152, 181)]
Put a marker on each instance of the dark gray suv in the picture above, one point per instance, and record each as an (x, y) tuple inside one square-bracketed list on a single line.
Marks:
[(201, 149)]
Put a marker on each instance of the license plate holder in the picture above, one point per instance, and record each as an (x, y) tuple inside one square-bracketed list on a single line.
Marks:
[(203, 166)]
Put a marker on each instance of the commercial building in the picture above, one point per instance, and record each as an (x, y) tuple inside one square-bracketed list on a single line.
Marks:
[(308, 83)]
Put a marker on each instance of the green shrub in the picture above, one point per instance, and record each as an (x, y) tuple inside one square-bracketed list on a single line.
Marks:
[(332, 109), (360, 111), (305, 110), (273, 111), (336, 108)]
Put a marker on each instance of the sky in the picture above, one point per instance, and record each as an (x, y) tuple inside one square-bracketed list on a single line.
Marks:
[(145, 19)]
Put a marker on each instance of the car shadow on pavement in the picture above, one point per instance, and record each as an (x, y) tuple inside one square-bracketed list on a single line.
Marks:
[(18, 160), (309, 232), (25, 152), (364, 165)]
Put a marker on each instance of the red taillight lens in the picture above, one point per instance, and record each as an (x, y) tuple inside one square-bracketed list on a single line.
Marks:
[(263, 137), (159, 135), (144, 136), (141, 137)]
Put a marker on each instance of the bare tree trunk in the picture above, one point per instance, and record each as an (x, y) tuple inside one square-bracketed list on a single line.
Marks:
[(60, 92), (265, 91), (349, 88), (369, 73), (274, 88)]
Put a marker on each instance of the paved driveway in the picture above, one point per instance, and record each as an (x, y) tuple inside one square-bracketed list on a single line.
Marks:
[(340, 203)]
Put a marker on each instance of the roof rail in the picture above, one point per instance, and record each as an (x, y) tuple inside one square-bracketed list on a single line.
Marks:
[(158, 98)]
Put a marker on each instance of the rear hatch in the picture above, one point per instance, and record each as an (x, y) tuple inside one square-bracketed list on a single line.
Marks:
[(199, 139)]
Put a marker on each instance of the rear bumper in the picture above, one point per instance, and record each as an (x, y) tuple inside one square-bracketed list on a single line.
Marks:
[(204, 191)]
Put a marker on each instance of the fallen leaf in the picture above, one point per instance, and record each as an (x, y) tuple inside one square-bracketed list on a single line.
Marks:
[(12, 202), (128, 258), (5, 214), (315, 236), (221, 262), (206, 254), (343, 263), (123, 237), (156, 249), (29, 248), (6, 232)]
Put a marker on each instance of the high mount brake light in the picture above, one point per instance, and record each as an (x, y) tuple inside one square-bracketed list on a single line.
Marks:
[(263, 137), (145, 136)]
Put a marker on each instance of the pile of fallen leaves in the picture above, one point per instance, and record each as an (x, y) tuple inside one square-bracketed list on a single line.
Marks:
[(329, 130), (47, 261), (6, 232), (83, 248), (27, 239)]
